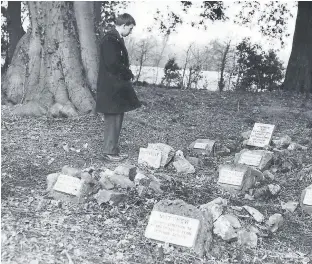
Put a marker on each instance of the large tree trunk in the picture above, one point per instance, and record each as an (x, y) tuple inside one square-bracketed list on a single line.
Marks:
[(299, 70), (54, 68), (15, 28)]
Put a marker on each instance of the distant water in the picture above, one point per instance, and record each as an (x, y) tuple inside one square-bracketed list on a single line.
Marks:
[(149, 74)]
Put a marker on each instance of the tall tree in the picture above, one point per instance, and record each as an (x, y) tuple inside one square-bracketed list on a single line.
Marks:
[(15, 28), (299, 70), (55, 64)]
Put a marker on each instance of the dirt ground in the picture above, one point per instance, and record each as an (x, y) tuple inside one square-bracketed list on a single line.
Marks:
[(37, 229)]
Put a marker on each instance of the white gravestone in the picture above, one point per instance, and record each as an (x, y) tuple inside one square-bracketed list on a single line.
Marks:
[(150, 157), (68, 184), (174, 229), (261, 135), (232, 177), (251, 159), (308, 197), (200, 145)]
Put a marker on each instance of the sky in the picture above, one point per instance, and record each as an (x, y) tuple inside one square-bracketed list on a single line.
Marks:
[(143, 12)]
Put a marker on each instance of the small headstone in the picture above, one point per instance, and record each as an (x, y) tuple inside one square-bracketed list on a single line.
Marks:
[(150, 157), (237, 177), (170, 228), (261, 135), (306, 200), (68, 184), (167, 152), (203, 146), (259, 159), (182, 224)]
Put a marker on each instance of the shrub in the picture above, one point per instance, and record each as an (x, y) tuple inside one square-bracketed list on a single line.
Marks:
[(257, 69), (172, 76)]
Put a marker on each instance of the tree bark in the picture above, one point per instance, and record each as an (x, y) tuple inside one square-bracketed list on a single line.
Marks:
[(49, 64), (15, 28), (299, 70)]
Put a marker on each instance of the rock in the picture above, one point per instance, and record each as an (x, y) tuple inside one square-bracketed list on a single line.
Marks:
[(181, 164), (86, 177), (193, 160), (274, 189), (249, 197), (254, 213), (142, 190), (268, 175), (223, 228), (290, 206), (295, 146), (167, 152), (245, 135), (238, 177), (179, 207), (122, 181), (275, 222), (213, 208), (282, 142), (83, 189), (106, 183), (51, 180), (114, 198), (222, 151), (306, 200), (141, 179), (259, 159), (155, 186), (233, 220), (246, 238), (262, 192), (67, 170), (203, 146), (129, 171)]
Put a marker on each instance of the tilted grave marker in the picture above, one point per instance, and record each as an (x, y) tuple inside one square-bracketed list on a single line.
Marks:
[(261, 135), (170, 228), (150, 157), (68, 184)]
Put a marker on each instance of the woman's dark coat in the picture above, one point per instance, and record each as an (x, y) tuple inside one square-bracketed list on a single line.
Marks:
[(115, 93)]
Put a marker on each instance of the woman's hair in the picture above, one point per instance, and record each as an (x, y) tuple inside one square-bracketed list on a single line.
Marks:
[(125, 19)]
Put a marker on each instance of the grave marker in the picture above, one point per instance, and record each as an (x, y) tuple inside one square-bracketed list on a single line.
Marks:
[(261, 135), (150, 157), (68, 184), (172, 228), (307, 200), (203, 146), (250, 158), (231, 176)]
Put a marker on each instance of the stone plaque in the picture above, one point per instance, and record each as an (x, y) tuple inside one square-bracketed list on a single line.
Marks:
[(150, 157), (308, 197), (171, 228), (232, 177), (68, 184), (249, 158), (261, 135), (200, 145)]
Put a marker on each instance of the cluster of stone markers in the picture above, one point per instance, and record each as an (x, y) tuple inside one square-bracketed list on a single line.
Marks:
[(249, 166), (175, 221)]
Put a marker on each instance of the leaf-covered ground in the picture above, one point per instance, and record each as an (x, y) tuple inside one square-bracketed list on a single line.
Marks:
[(36, 229)]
